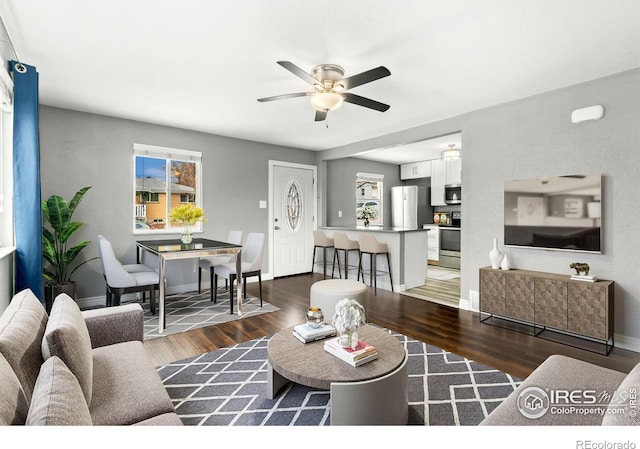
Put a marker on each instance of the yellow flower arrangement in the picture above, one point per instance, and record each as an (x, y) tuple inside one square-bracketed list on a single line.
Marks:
[(187, 215)]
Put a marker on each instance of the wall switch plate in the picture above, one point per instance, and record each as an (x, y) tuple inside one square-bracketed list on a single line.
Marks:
[(339, 214), (263, 204)]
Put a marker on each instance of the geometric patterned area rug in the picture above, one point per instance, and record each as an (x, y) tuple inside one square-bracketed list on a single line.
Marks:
[(228, 387), (191, 310)]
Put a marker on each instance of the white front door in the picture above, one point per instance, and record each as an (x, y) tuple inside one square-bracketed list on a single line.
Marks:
[(293, 214)]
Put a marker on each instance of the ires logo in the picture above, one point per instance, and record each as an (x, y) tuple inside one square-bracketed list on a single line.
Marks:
[(535, 402), (575, 397)]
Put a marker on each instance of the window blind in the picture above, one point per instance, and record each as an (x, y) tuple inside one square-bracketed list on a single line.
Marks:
[(166, 153)]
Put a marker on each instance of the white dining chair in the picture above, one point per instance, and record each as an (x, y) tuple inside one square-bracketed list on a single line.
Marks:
[(251, 266), (129, 268), (210, 263), (121, 281)]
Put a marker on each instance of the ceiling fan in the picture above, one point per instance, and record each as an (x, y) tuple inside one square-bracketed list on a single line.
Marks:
[(329, 87)]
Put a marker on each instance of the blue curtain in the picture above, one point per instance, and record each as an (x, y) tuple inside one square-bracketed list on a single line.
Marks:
[(26, 179)]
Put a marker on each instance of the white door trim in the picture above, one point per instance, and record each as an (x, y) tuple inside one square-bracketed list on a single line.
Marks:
[(272, 164)]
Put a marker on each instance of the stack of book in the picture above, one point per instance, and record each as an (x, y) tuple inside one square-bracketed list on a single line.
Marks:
[(307, 333), (584, 278), (363, 353)]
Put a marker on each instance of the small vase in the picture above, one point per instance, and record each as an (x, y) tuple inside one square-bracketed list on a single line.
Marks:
[(505, 265), (366, 222), (494, 255), (186, 237), (348, 338)]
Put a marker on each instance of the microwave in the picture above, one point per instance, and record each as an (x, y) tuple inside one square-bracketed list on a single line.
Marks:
[(453, 194)]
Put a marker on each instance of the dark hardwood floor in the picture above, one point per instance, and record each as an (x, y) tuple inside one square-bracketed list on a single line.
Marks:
[(455, 330)]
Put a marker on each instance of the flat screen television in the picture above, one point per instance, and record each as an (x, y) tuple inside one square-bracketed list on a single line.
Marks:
[(554, 212)]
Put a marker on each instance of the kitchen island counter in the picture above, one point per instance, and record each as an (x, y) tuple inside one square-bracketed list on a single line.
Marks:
[(407, 254), (371, 228)]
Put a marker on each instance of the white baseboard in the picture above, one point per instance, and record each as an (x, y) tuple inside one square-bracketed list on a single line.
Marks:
[(626, 342), (464, 304), (92, 302)]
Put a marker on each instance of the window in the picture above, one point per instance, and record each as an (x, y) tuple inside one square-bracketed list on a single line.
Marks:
[(163, 179), (148, 197), (6, 157), (187, 198), (369, 197)]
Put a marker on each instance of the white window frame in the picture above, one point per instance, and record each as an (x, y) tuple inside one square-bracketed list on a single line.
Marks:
[(169, 155), (7, 238), (374, 178)]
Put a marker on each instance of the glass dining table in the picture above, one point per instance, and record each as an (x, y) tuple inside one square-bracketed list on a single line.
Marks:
[(174, 249)]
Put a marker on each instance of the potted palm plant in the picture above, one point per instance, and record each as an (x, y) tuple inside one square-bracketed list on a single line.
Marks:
[(58, 252)]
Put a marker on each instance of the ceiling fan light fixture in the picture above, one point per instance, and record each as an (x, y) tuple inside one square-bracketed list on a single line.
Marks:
[(451, 153), (326, 101)]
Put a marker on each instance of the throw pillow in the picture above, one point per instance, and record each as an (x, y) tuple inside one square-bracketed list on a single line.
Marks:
[(57, 398), (624, 408), (67, 337), (13, 403), (21, 329)]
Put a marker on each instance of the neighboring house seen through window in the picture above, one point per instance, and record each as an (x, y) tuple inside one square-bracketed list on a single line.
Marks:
[(369, 198), (164, 178)]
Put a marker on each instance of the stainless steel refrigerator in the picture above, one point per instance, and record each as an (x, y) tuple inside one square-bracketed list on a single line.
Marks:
[(404, 204)]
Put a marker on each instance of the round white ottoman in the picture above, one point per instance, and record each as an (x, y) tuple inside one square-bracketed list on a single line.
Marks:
[(326, 294)]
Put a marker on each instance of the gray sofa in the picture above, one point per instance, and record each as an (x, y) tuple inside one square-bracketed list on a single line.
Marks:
[(77, 368), (566, 391)]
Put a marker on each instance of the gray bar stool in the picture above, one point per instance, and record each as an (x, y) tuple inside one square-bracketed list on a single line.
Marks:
[(320, 240), (369, 245), (344, 244)]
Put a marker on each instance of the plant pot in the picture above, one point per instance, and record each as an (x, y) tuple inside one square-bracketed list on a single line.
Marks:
[(51, 291)]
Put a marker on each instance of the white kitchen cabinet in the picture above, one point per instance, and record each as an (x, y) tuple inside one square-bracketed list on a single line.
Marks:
[(454, 171), (415, 170), (442, 174), (438, 180), (433, 243)]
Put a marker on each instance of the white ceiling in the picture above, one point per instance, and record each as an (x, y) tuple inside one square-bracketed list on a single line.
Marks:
[(202, 64), (407, 153)]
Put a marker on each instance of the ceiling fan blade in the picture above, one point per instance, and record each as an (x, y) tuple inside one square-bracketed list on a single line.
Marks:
[(365, 77), (297, 71), (282, 97), (321, 115), (366, 102)]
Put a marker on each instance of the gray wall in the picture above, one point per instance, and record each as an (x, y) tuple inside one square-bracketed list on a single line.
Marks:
[(341, 188), (535, 137), (79, 149), (526, 138)]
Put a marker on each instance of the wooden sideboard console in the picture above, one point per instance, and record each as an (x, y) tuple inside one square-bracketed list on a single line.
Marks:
[(549, 302)]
